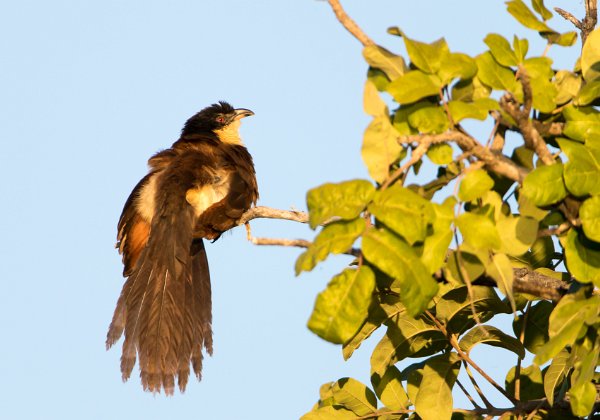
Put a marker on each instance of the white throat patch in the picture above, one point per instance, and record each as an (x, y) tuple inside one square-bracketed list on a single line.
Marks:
[(230, 133)]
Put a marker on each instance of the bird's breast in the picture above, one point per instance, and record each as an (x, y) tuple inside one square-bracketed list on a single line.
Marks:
[(204, 196)]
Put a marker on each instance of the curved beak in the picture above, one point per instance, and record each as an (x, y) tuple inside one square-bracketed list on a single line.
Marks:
[(242, 113)]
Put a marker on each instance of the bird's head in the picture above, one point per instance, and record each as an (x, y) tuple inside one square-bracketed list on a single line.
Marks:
[(221, 119)]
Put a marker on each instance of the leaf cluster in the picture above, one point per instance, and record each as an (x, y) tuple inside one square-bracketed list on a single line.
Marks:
[(434, 261)]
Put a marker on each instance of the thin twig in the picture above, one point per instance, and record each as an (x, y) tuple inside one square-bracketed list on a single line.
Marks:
[(519, 359), (415, 156), (349, 24), (299, 243), (469, 397), (486, 402)]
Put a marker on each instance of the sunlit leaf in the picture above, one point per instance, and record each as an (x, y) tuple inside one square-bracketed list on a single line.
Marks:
[(355, 396), (474, 185), (457, 65), (525, 16), (588, 93), (544, 185), (391, 64), (434, 398), (380, 147), (478, 231), (501, 50), (389, 389), (583, 258), (397, 259), (590, 56), (555, 374), (403, 211), (329, 413), (582, 171), (567, 85), (500, 269), (427, 57), (582, 399), (589, 213), (517, 233), (345, 200), (440, 154), (342, 307), (372, 102), (520, 46), (493, 74), (429, 119), (461, 110), (538, 6), (335, 238), (414, 85)]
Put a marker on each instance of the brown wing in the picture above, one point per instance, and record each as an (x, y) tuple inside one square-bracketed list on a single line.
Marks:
[(133, 230)]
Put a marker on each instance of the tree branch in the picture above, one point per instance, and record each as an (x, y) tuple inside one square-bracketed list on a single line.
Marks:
[(588, 23), (349, 24), (494, 161)]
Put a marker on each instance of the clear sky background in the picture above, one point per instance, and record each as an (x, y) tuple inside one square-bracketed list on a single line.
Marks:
[(90, 89)]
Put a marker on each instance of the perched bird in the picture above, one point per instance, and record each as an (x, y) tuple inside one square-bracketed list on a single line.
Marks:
[(198, 188)]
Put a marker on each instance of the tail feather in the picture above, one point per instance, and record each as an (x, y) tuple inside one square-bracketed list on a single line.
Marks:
[(161, 308)]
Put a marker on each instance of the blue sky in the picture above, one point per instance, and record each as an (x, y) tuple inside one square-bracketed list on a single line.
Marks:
[(90, 89)]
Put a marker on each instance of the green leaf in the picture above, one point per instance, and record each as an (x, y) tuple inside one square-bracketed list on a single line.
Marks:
[(429, 119), (345, 200), (440, 154), (544, 185), (525, 16), (408, 337), (469, 90), (329, 413), (427, 57), (582, 398), (555, 374), (590, 56), (588, 93), (500, 269), (564, 40), (434, 250), (380, 147), (335, 238), (566, 321), (520, 46), (455, 310), (397, 259), (403, 211), (391, 64), (355, 396), (493, 74), (474, 185), (517, 233), (538, 6), (414, 85), (583, 258), (531, 383), (342, 307), (492, 336), (589, 214), (567, 86), (478, 231), (389, 389), (378, 78), (582, 123), (434, 399), (457, 65), (375, 318), (461, 110), (582, 171), (501, 50), (372, 102), (536, 330)]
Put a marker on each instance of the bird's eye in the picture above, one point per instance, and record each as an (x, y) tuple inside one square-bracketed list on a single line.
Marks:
[(220, 120)]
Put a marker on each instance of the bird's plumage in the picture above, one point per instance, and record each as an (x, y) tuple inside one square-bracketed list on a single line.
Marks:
[(198, 188)]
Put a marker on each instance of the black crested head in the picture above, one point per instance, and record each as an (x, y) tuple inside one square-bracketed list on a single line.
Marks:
[(214, 117)]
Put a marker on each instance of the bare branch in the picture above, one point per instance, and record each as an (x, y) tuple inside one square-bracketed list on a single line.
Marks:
[(415, 156), (588, 23), (349, 24), (299, 243), (261, 212), (496, 162)]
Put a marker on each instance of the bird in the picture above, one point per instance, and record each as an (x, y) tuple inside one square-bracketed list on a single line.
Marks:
[(197, 189)]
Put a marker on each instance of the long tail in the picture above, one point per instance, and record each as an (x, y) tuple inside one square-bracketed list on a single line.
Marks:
[(165, 307)]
